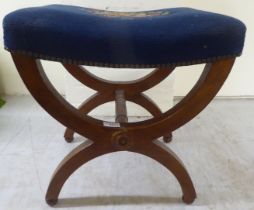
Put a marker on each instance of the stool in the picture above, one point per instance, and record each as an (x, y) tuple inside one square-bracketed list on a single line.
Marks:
[(161, 39)]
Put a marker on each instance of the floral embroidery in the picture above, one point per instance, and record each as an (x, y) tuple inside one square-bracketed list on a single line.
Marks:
[(129, 14)]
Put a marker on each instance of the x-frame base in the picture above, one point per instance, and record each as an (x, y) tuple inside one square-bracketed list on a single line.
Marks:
[(136, 137)]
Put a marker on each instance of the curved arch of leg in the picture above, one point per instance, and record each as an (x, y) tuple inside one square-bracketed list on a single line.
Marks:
[(79, 156), (162, 154), (87, 106), (147, 103), (35, 79), (87, 151), (210, 82), (202, 93), (132, 87), (98, 99)]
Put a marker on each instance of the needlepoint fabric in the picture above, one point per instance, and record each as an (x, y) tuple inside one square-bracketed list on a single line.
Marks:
[(166, 37)]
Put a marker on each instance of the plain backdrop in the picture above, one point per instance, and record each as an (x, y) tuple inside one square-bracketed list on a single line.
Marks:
[(240, 82)]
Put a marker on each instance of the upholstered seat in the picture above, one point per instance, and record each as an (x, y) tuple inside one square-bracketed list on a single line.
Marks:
[(178, 36)]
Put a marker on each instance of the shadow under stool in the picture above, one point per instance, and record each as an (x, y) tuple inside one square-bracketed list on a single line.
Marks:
[(161, 39)]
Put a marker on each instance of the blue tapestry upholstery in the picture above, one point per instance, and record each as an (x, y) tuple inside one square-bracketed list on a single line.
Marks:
[(178, 36)]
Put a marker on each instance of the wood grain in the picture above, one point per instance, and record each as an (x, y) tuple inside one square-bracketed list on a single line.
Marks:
[(136, 137)]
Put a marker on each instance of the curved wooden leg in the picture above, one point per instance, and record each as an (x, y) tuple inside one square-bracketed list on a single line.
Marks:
[(147, 103), (135, 137), (131, 89), (87, 106), (159, 152), (88, 151), (205, 89), (79, 156), (98, 99)]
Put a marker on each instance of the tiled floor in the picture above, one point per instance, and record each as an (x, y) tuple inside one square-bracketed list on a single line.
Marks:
[(217, 148)]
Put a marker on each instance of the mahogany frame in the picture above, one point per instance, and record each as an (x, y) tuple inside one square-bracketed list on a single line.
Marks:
[(106, 92), (138, 137)]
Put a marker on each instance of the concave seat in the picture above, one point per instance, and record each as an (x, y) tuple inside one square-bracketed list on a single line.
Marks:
[(167, 37)]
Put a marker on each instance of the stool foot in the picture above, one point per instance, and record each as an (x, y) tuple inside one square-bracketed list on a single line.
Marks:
[(165, 156), (168, 138), (69, 135), (79, 156), (51, 202), (188, 200)]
